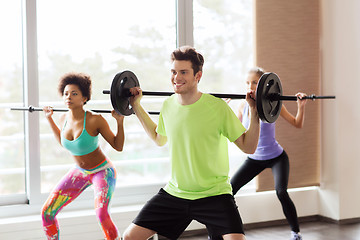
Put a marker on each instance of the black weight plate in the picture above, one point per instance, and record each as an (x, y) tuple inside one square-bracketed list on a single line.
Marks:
[(119, 92), (268, 109)]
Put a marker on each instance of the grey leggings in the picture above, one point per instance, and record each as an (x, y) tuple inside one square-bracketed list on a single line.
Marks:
[(280, 169)]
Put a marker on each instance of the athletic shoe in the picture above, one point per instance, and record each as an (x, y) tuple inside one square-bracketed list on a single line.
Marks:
[(295, 236)]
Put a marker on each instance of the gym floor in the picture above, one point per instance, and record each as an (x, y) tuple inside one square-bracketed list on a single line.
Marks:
[(310, 231)]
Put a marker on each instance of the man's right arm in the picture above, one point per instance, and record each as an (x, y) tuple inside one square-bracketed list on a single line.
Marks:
[(148, 124)]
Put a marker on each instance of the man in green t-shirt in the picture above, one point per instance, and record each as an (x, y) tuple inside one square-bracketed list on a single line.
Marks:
[(197, 127)]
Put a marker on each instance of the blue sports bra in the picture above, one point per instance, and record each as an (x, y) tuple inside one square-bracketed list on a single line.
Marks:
[(82, 145)]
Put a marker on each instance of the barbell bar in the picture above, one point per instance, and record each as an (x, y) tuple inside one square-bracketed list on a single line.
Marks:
[(268, 95), (313, 97), (273, 97), (37, 109)]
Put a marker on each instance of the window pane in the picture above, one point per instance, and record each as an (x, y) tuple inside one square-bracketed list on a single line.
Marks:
[(102, 38), (12, 171), (223, 32)]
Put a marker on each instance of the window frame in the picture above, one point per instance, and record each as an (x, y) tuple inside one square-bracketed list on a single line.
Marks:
[(31, 97)]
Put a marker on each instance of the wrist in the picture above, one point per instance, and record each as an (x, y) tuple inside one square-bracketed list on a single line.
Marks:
[(136, 107), (120, 120), (254, 112), (301, 107)]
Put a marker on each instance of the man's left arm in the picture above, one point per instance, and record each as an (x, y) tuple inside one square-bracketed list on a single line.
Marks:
[(248, 141)]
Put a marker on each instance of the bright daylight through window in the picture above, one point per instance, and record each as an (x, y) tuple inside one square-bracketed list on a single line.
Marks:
[(12, 155), (106, 38)]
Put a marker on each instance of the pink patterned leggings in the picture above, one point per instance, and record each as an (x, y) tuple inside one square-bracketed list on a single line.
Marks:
[(103, 178)]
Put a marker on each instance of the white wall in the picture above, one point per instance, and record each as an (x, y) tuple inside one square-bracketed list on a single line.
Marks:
[(340, 180)]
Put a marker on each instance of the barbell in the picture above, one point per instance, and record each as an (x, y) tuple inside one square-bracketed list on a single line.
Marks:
[(268, 95), (31, 109), (37, 109)]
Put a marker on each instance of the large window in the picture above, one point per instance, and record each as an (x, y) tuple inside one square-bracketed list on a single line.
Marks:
[(223, 32), (102, 38), (12, 163)]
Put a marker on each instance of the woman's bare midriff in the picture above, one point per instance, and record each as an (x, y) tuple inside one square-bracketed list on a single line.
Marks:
[(90, 160)]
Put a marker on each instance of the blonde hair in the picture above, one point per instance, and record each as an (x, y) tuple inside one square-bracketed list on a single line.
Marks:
[(257, 70)]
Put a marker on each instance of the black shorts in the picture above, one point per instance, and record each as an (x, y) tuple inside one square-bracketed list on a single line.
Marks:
[(169, 216)]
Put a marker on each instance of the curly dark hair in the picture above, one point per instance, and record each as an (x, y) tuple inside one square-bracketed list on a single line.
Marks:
[(189, 54), (82, 80)]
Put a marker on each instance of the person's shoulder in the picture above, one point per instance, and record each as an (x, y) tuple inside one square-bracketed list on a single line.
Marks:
[(216, 104), (170, 99), (91, 114), (62, 118), (212, 99), (94, 117)]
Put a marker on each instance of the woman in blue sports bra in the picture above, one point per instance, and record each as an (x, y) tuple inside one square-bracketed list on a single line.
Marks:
[(269, 154), (79, 134)]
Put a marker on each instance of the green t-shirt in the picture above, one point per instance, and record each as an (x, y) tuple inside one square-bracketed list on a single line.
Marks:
[(197, 137)]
